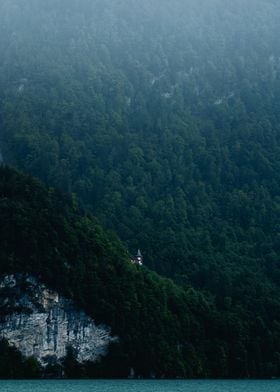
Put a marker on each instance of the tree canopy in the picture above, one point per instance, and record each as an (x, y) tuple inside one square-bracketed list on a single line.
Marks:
[(162, 118)]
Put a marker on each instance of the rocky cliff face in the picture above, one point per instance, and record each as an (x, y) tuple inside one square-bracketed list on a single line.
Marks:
[(41, 323)]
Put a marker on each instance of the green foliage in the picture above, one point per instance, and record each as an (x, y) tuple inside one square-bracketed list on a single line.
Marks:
[(45, 234), (167, 129), (13, 365), (163, 118), (163, 330)]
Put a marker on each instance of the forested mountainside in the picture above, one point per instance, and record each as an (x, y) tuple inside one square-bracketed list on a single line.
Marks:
[(44, 234), (163, 119), (163, 330)]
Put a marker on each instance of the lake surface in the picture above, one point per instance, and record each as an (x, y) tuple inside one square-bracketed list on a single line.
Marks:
[(139, 386)]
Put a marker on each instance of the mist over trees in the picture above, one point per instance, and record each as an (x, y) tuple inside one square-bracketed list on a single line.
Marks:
[(162, 117)]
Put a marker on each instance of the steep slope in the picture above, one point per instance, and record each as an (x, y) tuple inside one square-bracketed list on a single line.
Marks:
[(164, 120), (163, 330), (168, 128), (45, 235)]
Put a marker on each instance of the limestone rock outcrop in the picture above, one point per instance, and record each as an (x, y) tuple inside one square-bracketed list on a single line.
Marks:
[(41, 323)]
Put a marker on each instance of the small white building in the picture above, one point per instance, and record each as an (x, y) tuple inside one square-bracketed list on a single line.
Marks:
[(137, 259)]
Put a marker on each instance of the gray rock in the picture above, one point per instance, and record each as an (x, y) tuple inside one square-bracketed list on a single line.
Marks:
[(41, 323)]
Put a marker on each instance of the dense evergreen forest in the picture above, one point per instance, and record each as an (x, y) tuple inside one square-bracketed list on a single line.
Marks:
[(162, 118), (163, 329)]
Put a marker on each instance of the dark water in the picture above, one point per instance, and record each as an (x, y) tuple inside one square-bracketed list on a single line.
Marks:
[(140, 386)]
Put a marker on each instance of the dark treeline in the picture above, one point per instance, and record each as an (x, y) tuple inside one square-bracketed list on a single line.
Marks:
[(163, 330), (163, 119)]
